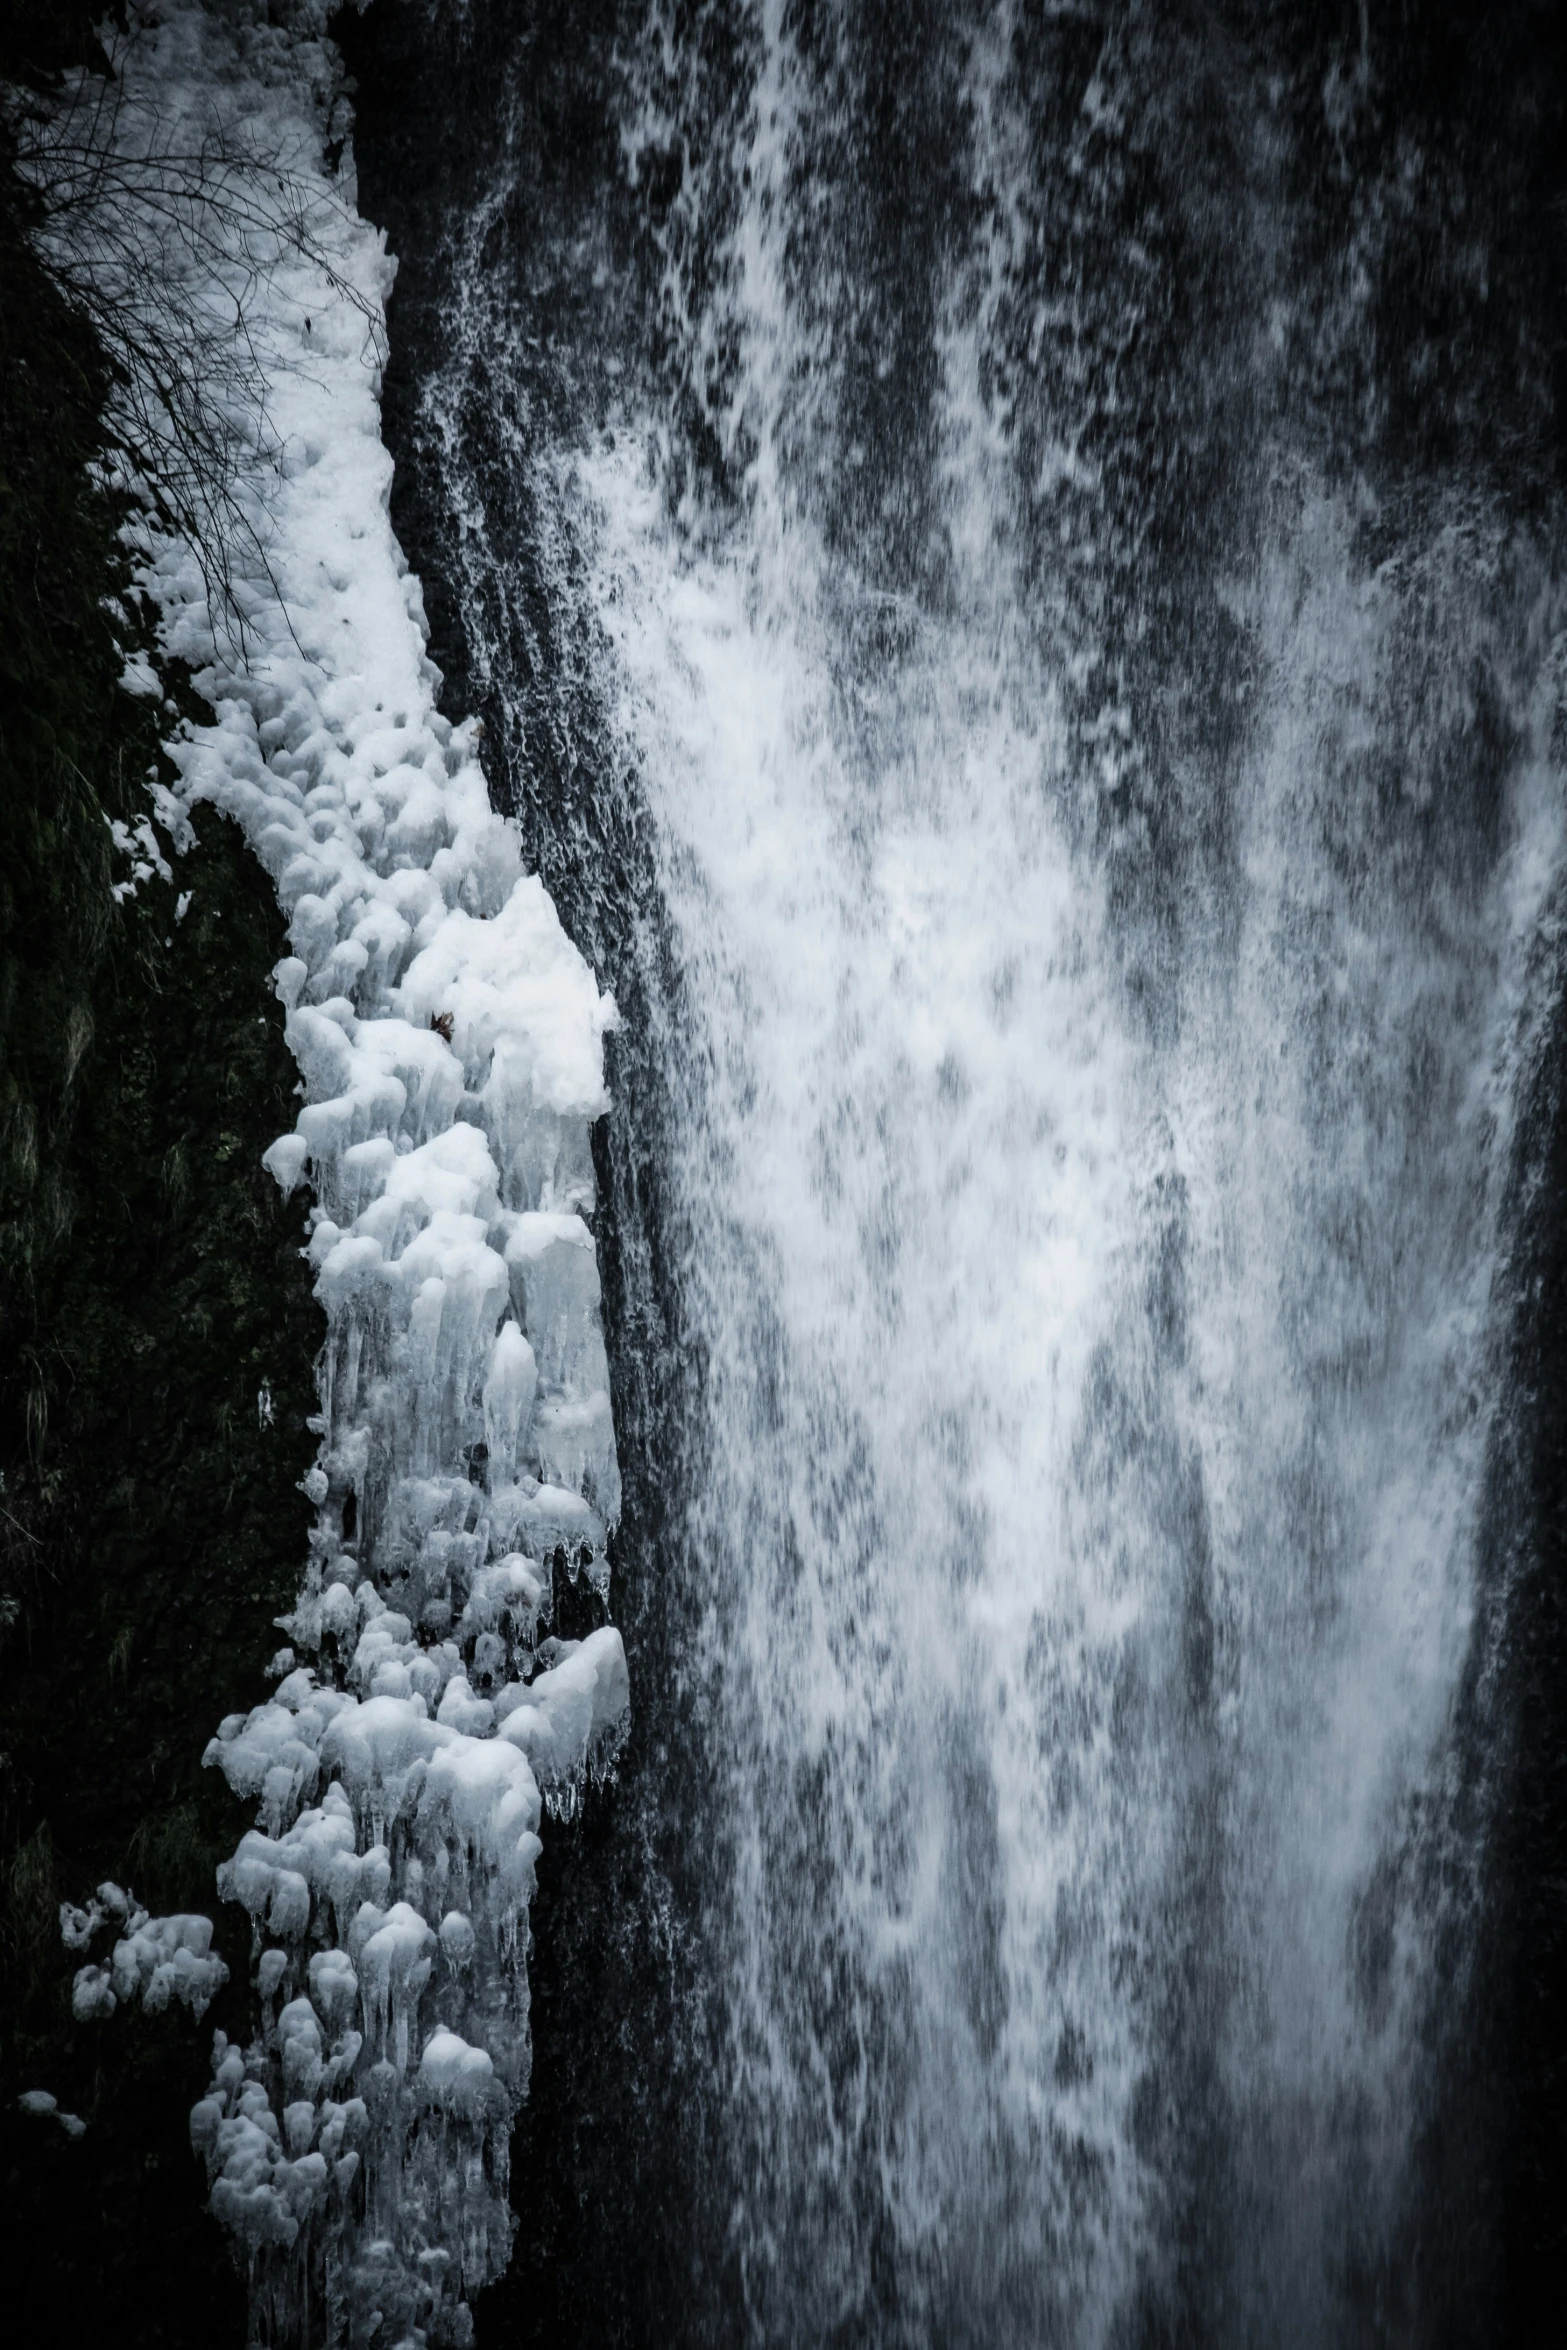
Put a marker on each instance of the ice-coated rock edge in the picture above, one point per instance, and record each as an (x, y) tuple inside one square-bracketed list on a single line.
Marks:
[(449, 1039)]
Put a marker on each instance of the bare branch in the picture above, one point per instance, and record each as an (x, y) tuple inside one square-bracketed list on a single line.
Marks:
[(172, 236)]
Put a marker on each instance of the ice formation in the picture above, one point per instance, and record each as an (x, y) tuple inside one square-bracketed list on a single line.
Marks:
[(449, 1039), (153, 1961), (43, 2105)]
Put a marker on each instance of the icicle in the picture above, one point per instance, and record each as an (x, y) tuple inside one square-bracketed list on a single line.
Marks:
[(449, 1039)]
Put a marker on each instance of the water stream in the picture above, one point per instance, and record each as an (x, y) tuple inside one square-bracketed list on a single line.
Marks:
[(1063, 777)]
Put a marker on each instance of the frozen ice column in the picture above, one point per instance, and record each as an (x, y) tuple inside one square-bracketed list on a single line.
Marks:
[(450, 1046), (467, 1474)]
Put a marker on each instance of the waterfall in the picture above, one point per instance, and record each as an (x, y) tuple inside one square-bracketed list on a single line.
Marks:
[(1099, 1368), (1087, 823), (1003, 564)]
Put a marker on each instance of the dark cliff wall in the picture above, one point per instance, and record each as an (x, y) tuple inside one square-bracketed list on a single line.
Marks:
[(513, 150), (150, 1286)]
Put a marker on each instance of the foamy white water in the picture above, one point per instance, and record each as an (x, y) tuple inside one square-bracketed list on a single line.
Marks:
[(912, 1174), (1096, 1398)]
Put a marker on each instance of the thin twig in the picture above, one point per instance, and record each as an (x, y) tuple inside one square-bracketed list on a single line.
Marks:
[(156, 238)]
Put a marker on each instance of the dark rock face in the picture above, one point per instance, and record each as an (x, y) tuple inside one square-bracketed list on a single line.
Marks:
[(609, 2161), (150, 1287)]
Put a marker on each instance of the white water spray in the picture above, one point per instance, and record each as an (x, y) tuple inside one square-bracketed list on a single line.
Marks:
[(1096, 1409)]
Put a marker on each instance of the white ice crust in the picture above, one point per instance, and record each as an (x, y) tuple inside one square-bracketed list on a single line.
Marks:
[(43, 2105), (450, 1044)]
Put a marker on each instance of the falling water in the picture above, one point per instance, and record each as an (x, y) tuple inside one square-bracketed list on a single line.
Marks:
[(1065, 784)]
